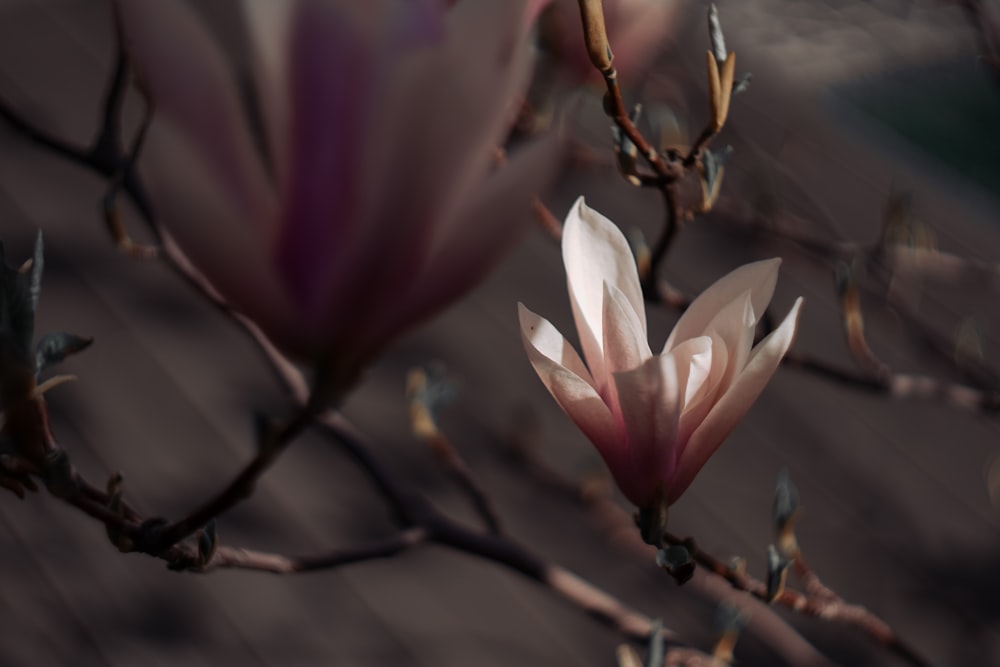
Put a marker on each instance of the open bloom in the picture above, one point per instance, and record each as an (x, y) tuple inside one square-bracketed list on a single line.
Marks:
[(655, 418), (377, 203)]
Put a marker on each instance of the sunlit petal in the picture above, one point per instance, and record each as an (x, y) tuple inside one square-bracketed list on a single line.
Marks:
[(624, 336), (732, 405), (758, 277), (594, 252), (574, 394)]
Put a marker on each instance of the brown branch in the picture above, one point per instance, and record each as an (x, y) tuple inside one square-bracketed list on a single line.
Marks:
[(547, 220), (104, 155), (685, 657), (818, 601), (671, 227), (424, 393), (241, 487), (614, 107), (668, 167), (420, 523), (413, 510), (246, 559)]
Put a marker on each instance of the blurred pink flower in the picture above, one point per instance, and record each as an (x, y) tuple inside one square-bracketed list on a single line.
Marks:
[(655, 419), (377, 204), (637, 31)]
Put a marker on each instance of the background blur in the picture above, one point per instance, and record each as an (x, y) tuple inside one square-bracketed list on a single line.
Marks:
[(850, 101)]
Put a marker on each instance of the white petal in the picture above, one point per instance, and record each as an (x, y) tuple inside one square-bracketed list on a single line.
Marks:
[(694, 365), (693, 361), (651, 401), (594, 252), (624, 336), (758, 277), (566, 379), (547, 340), (731, 407), (735, 325), (700, 399)]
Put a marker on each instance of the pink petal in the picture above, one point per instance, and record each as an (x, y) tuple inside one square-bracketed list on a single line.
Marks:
[(651, 400), (329, 76), (596, 252), (492, 225), (209, 229), (696, 355), (440, 114), (625, 344), (758, 277), (415, 23), (448, 107), (731, 407), (193, 89), (572, 391), (531, 13)]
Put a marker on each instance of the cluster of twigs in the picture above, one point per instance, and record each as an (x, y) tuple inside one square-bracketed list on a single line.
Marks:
[(884, 259), (191, 543)]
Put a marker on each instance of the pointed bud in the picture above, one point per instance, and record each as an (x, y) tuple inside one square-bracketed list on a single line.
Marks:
[(777, 573), (786, 500), (206, 543), (676, 560), (712, 168), (53, 348), (625, 151), (715, 35), (729, 622), (656, 647), (35, 273)]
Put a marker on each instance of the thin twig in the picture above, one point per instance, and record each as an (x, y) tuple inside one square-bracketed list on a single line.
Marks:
[(240, 488), (247, 559), (103, 156), (543, 215), (671, 227), (425, 394)]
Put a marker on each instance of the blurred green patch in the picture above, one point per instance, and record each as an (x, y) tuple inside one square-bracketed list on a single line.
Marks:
[(951, 113)]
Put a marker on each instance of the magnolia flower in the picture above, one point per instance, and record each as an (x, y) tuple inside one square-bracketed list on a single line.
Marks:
[(378, 203), (655, 418), (637, 30)]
